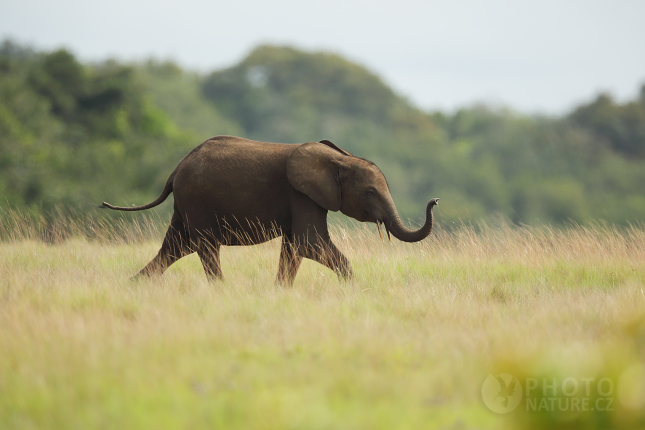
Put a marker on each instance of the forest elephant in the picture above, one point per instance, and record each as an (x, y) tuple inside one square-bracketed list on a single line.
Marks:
[(235, 191)]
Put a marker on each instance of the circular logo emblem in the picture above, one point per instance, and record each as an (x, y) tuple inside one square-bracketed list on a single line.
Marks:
[(501, 393)]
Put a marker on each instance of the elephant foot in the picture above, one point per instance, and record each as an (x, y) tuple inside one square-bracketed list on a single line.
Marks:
[(344, 273), (144, 274)]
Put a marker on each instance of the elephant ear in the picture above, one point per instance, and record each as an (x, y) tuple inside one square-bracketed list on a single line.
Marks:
[(331, 145), (314, 169)]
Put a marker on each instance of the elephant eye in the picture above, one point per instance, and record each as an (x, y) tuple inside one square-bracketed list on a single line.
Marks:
[(369, 194)]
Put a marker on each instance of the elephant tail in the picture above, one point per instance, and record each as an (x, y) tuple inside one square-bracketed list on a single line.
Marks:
[(164, 195)]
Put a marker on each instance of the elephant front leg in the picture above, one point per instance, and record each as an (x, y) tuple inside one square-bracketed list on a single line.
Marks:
[(311, 236), (327, 254), (289, 261), (336, 261)]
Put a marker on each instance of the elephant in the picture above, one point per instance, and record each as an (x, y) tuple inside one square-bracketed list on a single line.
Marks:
[(234, 191)]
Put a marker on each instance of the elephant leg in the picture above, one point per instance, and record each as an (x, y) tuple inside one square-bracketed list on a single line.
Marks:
[(311, 235), (327, 254), (336, 260), (289, 261), (208, 252), (175, 246)]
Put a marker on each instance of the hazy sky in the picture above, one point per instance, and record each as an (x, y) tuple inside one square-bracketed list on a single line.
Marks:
[(534, 56)]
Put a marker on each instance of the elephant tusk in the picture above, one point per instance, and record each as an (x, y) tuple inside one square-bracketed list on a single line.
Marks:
[(389, 236), (378, 227)]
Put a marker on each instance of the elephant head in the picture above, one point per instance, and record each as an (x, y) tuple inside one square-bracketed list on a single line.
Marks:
[(336, 180)]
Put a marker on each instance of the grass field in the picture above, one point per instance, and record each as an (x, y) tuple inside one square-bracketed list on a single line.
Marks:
[(407, 344)]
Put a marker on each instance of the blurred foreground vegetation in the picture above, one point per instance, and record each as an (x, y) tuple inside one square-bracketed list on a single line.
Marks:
[(72, 134)]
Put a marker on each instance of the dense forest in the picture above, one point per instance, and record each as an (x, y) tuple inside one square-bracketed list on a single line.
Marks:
[(72, 134)]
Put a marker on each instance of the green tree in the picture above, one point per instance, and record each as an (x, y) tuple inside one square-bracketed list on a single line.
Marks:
[(622, 127), (72, 133)]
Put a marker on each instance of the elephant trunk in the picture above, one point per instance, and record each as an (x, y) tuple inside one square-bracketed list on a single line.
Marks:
[(394, 225)]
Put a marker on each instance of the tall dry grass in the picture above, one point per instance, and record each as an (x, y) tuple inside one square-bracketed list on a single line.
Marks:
[(406, 344)]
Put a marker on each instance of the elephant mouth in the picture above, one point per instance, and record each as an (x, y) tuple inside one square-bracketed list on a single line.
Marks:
[(380, 233)]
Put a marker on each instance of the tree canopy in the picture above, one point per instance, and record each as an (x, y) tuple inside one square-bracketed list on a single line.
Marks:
[(74, 133)]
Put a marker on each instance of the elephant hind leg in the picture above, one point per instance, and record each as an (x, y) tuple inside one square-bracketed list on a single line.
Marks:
[(208, 251), (289, 261), (175, 245)]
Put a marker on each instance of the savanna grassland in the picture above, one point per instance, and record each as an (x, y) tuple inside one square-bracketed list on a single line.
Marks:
[(407, 344)]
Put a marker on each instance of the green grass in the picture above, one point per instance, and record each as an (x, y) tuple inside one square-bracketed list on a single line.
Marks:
[(407, 344)]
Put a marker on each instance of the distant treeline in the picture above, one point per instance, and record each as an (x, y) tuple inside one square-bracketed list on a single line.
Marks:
[(72, 134)]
